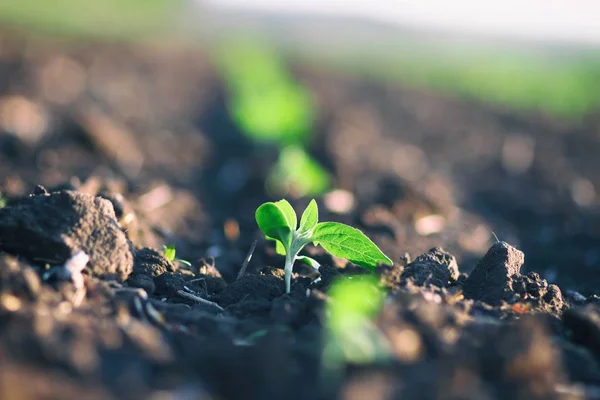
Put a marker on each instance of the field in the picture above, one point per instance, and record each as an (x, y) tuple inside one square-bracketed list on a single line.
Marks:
[(488, 209)]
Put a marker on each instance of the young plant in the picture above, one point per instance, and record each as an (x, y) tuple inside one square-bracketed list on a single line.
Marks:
[(169, 253), (278, 222)]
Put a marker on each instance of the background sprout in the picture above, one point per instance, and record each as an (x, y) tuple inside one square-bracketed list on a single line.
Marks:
[(269, 106)]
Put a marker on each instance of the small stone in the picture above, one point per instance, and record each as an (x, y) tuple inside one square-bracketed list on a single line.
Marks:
[(491, 280), (553, 297), (436, 267)]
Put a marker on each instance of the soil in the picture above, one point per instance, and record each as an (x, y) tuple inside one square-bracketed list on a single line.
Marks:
[(117, 149)]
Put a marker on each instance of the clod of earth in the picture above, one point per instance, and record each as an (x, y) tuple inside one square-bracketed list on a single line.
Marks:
[(148, 265), (532, 287), (50, 228), (491, 280), (436, 267)]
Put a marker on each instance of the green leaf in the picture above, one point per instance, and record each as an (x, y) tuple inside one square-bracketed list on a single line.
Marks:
[(169, 252), (346, 242), (273, 223), (279, 247), (309, 261), (289, 213), (310, 217)]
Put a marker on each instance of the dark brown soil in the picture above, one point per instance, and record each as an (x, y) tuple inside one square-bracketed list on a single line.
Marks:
[(134, 148)]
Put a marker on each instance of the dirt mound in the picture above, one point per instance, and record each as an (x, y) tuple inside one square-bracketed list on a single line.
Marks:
[(49, 228)]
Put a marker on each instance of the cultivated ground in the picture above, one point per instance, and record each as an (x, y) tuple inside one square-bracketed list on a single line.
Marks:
[(133, 148)]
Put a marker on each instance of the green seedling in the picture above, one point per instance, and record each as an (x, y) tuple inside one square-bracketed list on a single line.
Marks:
[(278, 222), (169, 252)]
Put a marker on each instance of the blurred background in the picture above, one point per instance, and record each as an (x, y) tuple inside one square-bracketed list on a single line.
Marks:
[(423, 122)]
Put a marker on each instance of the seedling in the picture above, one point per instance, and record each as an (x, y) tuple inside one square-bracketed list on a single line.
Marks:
[(278, 222), (169, 252)]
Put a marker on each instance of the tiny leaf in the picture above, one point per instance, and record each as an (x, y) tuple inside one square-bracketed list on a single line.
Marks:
[(310, 217), (309, 261), (279, 247), (169, 252), (346, 242), (273, 223), (289, 213)]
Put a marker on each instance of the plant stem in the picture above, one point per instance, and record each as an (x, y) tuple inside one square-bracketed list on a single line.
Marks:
[(289, 264)]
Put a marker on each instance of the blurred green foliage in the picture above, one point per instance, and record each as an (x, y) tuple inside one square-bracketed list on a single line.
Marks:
[(352, 336), (104, 19), (560, 82), (264, 99), (270, 106), (297, 174), (354, 299)]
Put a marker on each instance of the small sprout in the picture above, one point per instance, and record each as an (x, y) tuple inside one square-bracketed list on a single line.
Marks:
[(169, 253), (278, 221)]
